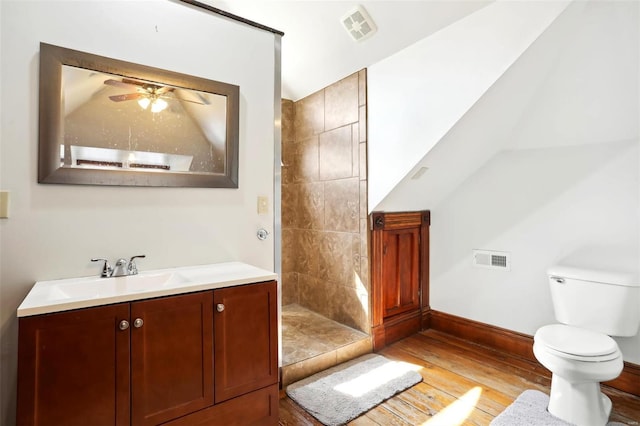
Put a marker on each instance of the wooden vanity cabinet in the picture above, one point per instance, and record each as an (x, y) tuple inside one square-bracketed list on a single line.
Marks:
[(204, 358)]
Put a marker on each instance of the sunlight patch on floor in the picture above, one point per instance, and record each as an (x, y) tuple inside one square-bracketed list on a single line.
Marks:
[(457, 412), (375, 378)]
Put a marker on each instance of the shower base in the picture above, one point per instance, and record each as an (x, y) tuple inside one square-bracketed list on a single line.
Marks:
[(312, 343)]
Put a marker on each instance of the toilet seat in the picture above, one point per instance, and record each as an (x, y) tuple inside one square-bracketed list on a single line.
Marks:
[(576, 343)]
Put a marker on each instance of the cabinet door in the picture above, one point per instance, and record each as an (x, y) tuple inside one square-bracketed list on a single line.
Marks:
[(246, 339), (400, 270), (73, 368), (171, 357)]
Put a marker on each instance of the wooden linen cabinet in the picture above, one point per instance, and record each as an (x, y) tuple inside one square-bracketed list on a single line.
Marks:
[(400, 275)]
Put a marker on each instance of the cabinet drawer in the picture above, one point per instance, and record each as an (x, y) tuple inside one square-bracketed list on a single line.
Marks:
[(256, 409)]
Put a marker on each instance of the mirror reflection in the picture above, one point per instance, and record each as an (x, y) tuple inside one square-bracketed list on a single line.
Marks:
[(125, 123), (105, 121)]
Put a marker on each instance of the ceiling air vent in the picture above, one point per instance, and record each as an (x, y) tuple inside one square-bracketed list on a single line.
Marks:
[(492, 259), (359, 24)]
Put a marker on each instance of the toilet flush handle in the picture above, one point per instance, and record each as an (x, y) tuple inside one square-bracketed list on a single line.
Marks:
[(559, 280)]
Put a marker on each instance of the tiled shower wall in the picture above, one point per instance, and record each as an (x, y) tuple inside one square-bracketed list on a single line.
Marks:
[(324, 210)]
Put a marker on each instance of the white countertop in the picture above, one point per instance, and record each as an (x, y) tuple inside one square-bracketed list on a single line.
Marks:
[(74, 293)]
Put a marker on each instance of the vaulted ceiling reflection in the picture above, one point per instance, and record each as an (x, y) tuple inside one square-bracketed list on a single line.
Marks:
[(115, 122)]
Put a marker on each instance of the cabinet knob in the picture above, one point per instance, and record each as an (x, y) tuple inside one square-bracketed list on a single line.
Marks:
[(220, 307), (138, 323), (124, 324)]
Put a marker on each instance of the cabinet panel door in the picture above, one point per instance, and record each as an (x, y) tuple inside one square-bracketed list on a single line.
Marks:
[(400, 271), (74, 368), (246, 339), (171, 357)]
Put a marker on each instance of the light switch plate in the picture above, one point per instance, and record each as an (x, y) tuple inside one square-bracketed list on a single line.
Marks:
[(263, 205), (4, 204)]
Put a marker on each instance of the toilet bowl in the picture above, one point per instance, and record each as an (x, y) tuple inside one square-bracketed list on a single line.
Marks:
[(579, 359), (591, 305)]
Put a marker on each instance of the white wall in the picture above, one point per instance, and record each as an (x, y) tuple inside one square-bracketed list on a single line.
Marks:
[(543, 206), (565, 188), (53, 230), (562, 184)]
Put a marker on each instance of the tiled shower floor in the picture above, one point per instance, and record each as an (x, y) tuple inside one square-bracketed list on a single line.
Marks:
[(311, 343)]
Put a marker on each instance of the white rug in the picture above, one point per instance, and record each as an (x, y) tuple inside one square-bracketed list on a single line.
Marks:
[(530, 409), (344, 392)]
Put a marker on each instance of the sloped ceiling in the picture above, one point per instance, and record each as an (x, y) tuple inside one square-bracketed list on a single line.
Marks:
[(317, 51), (576, 84), (420, 95)]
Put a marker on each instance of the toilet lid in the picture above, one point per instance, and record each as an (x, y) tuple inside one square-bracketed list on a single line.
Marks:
[(575, 341)]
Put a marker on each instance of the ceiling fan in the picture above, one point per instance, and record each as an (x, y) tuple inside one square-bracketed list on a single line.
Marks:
[(147, 94)]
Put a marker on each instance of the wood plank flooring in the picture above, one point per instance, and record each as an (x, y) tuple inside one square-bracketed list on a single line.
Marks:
[(463, 384)]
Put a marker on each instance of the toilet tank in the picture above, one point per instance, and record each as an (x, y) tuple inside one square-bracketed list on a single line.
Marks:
[(603, 301)]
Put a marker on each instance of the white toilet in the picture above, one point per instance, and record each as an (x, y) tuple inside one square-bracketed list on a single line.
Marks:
[(591, 305)]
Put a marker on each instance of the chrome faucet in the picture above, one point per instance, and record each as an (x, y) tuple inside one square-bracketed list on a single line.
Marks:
[(107, 270), (122, 268), (132, 268)]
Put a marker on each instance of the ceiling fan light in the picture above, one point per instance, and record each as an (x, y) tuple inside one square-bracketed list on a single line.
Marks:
[(144, 103), (158, 105)]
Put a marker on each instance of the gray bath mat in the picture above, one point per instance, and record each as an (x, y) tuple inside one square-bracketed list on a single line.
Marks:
[(344, 392), (530, 409)]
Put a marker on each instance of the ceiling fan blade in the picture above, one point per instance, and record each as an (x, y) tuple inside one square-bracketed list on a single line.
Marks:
[(127, 97), (127, 84), (193, 102), (164, 89), (132, 82)]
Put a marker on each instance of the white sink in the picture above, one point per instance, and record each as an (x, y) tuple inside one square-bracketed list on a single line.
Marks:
[(74, 293), (92, 288)]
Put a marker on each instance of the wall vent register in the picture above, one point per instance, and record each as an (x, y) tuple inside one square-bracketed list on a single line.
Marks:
[(492, 259)]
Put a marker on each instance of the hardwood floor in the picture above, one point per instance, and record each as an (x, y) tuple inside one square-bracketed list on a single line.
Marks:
[(454, 373)]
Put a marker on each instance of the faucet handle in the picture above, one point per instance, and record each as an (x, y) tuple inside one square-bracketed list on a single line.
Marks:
[(132, 268), (107, 270)]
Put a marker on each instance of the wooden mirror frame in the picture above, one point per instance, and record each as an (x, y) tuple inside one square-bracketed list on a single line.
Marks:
[(51, 131)]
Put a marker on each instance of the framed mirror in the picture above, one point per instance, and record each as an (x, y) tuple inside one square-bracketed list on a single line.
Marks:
[(109, 122)]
